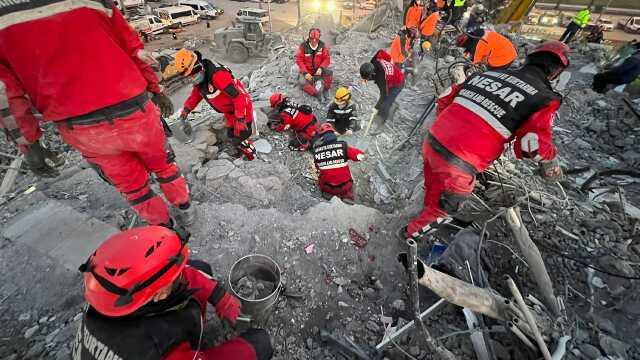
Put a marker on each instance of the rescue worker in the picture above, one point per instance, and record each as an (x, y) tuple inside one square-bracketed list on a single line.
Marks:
[(147, 300), (224, 93), (298, 118), (331, 158), (313, 61), (457, 11), (96, 89), (401, 51), (476, 18), (389, 79), (476, 119), (342, 113), (579, 21), (596, 36), (413, 16), (489, 48), (428, 29), (624, 73)]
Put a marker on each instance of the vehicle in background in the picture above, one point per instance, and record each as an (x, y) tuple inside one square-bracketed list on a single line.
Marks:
[(548, 19), (202, 8), (252, 14), (347, 5), (177, 16), (130, 8), (631, 25), (368, 5), (148, 24), (246, 38), (533, 19), (607, 24)]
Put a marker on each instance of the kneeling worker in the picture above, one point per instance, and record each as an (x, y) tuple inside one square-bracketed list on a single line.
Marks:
[(342, 113), (488, 47), (147, 301), (299, 118), (389, 79)]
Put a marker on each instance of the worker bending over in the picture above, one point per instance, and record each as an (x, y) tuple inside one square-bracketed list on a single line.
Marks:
[(298, 118), (313, 61), (489, 48), (413, 16), (148, 301), (81, 66), (224, 93), (342, 113), (331, 158), (401, 50), (476, 119), (624, 73)]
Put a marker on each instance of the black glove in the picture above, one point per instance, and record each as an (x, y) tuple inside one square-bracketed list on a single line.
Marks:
[(35, 159), (163, 102)]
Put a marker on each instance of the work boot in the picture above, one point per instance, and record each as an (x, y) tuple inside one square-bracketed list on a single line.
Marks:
[(186, 214)]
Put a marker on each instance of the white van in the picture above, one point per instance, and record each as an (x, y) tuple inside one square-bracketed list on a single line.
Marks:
[(253, 14), (202, 8), (177, 15), (149, 24)]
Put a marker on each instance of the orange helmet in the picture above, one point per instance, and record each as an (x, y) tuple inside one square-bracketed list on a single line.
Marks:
[(276, 99), (128, 269), (185, 61)]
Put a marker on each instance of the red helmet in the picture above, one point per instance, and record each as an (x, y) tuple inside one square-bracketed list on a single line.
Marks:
[(558, 48), (314, 34), (461, 40), (325, 128), (128, 269), (276, 99)]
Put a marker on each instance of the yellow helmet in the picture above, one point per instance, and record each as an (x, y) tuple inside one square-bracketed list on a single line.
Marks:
[(185, 61), (343, 95), (426, 45)]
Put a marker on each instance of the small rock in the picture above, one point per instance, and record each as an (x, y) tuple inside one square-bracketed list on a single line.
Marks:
[(398, 305), (238, 162), (49, 339), (43, 320), (613, 347), (218, 169), (201, 173), (589, 351), (309, 343), (604, 324), (30, 331), (24, 317), (414, 350), (63, 354), (35, 350), (343, 304), (372, 326)]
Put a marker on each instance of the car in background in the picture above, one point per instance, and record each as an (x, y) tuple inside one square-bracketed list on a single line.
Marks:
[(548, 19), (202, 8), (148, 24), (177, 16), (631, 25), (249, 14), (533, 19), (607, 24)]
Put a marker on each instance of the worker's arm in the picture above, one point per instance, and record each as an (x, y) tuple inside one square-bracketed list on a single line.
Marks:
[(192, 101), (16, 118), (131, 43), (300, 60), (355, 154), (382, 55), (534, 137), (207, 290), (224, 81), (326, 58), (446, 98), (481, 55), (287, 120)]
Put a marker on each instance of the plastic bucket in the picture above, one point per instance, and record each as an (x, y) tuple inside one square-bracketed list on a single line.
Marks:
[(255, 280)]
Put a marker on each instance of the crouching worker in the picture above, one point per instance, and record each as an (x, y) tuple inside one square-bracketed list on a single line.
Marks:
[(331, 158), (224, 93), (313, 60), (147, 301), (298, 118), (342, 113)]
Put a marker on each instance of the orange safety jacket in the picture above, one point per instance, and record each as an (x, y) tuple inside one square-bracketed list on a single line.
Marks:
[(495, 50), (428, 26), (400, 48), (413, 16)]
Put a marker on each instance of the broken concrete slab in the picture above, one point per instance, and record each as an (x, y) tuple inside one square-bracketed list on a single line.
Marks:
[(218, 169)]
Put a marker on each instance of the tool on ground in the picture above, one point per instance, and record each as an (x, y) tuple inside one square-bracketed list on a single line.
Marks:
[(419, 123), (348, 347), (362, 142)]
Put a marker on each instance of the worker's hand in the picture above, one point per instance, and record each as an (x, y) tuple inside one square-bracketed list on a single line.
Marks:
[(348, 132), (319, 72), (361, 157), (228, 308), (550, 170), (308, 76), (36, 157), (239, 126), (163, 102)]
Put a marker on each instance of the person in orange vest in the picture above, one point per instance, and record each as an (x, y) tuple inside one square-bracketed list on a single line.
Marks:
[(428, 28), (413, 15), (488, 47), (401, 50)]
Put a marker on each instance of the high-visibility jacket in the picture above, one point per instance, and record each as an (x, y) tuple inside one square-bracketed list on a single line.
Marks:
[(582, 18), (400, 48), (458, 3), (412, 16), (428, 26), (495, 50)]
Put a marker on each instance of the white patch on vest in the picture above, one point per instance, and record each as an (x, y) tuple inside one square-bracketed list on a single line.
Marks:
[(506, 93), (97, 349), (530, 144), (214, 95)]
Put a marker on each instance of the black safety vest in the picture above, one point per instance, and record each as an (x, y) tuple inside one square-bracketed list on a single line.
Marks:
[(210, 68), (136, 338), (505, 99), (332, 155), (309, 51)]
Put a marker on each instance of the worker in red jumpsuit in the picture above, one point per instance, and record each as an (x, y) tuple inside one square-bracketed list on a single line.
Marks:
[(390, 81), (147, 300), (331, 158), (224, 93), (475, 121), (313, 61), (81, 66), (298, 118)]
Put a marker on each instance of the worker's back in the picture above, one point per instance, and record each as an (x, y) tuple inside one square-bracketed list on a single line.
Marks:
[(69, 61), (495, 50)]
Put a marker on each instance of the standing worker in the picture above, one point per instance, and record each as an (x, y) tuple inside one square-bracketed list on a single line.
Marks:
[(489, 48), (474, 122), (389, 79), (401, 51), (413, 16), (96, 89), (313, 61), (298, 118), (579, 22), (224, 93), (331, 158), (428, 29), (148, 301), (457, 12), (342, 113)]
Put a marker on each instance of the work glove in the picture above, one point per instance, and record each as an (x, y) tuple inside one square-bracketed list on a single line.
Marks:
[(308, 76), (319, 72), (36, 157), (163, 102), (550, 170), (239, 126), (186, 126), (361, 157), (228, 308)]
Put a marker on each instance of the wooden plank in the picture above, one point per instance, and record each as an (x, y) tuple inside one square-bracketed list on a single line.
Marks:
[(10, 176)]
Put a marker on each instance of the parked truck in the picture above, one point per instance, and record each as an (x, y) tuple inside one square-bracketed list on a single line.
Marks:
[(130, 8)]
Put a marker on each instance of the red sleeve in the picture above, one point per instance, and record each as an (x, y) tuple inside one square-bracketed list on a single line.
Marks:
[(326, 58), (131, 43), (446, 98), (201, 283), (236, 349), (534, 137), (352, 153), (383, 55), (300, 60), (286, 120), (223, 81), (193, 100), (16, 115)]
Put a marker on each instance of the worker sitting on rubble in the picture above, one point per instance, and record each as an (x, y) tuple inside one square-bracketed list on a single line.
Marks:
[(298, 118), (621, 74), (390, 81), (224, 93), (401, 51), (489, 48), (428, 29), (342, 113), (476, 119), (579, 22), (105, 114), (313, 61), (413, 16), (147, 300), (331, 158)]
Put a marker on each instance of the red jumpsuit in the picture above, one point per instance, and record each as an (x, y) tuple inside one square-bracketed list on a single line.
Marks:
[(309, 61), (475, 120), (331, 159), (302, 123), (79, 61)]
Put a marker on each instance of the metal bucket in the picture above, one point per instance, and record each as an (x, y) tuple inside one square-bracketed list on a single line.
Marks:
[(260, 269)]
